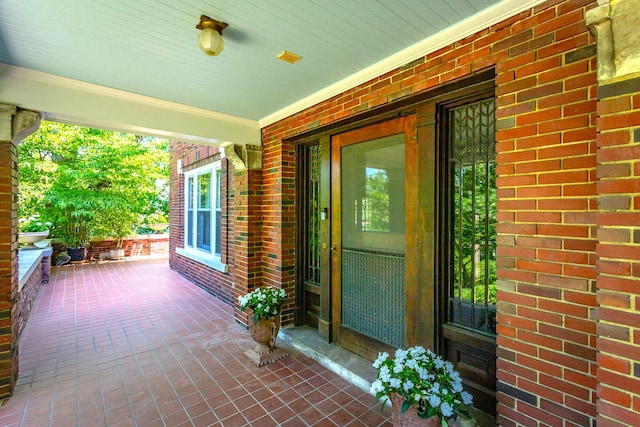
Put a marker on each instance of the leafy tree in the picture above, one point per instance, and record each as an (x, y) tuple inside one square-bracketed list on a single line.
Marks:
[(91, 183)]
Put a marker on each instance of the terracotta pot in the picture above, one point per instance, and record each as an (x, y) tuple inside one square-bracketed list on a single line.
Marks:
[(264, 332), (410, 417)]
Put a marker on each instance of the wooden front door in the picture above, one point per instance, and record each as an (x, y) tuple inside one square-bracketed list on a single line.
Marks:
[(369, 181)]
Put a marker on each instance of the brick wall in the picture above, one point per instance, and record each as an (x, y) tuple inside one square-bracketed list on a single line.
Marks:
[(544, 60), (8, 268), (618, 252), (217, 283)]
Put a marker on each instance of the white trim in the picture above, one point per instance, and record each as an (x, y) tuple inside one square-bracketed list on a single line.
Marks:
[(210, 259), (75, 102), (462, 29), (37, 76)]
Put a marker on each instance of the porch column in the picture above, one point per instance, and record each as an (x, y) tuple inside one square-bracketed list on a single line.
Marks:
[(246, 216), (616, 27), (15, 124)]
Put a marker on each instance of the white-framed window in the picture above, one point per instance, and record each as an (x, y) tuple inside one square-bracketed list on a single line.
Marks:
[(203, 216)]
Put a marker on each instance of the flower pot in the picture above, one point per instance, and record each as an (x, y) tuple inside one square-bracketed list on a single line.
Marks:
[(264, 332), (159, 226), (32, 237), (77, 254), (410, 417), (116, 254)]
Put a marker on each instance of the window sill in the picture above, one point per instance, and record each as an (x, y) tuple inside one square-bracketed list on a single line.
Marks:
[(209, 261)]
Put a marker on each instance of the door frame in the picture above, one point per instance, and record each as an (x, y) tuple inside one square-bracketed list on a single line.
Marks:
[(421, 302)]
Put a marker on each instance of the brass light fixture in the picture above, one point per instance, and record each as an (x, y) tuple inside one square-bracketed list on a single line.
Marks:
[(210, 38)]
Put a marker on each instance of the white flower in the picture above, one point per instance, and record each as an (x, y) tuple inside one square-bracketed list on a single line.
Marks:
[(434, 401), (437, 383), (423, 373), (385, 374), (408, 385), (446, 410), (377, 387), (381, 358), (467, 398), (401, 355)]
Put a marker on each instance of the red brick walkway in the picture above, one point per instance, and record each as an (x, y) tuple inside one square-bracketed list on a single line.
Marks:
[(135, 344)]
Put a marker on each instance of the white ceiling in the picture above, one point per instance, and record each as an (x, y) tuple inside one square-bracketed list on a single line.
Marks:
[(149, 47)]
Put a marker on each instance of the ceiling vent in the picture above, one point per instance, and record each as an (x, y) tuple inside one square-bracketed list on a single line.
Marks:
[(289, 57)]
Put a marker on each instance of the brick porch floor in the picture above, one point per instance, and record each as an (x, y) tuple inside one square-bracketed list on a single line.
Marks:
[(135, 344)]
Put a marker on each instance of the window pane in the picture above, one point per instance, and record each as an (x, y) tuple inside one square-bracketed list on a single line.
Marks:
[(204, 230), (204, 190), (373, 200), (218, 180), (190, 196), (218, 233), (473, 216)]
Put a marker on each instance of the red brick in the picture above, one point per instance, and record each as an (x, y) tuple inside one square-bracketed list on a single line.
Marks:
[(610, 414), (539, 217), (516, 369), (618, 121), (535, 19), (614, 396), (564, 124), (617, 268), (563, 151), (613, 363), (539, 116), (563, 46), (539, 192), (576, 135), (559, 22), (539, 92), (614, 105), (619, 137), (542, 391), (564, 98), (537, 67), (564, 386), (564, 72), (560, 332)]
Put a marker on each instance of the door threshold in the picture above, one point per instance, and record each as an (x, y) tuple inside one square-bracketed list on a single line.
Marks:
[(353, 368)]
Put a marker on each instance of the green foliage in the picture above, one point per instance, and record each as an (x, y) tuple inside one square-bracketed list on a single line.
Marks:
[(32, 224), (474, 233), (90, 183), (377, 201)]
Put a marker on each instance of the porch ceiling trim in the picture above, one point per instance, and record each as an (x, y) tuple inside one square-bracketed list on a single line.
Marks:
[(71, 101), (462, 29)]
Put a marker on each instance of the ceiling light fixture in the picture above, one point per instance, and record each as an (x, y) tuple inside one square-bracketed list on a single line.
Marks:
[(210, 38)]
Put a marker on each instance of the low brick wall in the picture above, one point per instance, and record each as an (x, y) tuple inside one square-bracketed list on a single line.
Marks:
[(34, 266), (140, 245)]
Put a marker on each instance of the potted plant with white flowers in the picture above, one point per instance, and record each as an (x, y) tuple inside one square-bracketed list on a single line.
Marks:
[(424, 389), (263, 306)]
